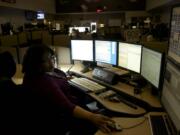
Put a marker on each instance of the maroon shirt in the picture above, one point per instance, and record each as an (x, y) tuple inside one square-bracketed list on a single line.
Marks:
[(53, 88)]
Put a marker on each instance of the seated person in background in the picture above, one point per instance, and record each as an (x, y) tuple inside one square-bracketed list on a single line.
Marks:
[(86, 31), (7, 71), (8, 95), (50, 89), (75, 34), (86, 34)]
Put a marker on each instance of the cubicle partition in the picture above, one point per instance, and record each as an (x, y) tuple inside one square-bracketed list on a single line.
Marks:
[(9, 43), (17, 44), (61, 40)]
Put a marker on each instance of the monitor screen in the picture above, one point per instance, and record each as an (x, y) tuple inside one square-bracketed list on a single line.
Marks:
[(151, 66), (80, 29), (82, 50), (170, 98), (129, 56), (40, 15), (106, 51)]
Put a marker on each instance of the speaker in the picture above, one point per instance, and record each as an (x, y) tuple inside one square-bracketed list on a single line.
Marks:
[(104, 76)]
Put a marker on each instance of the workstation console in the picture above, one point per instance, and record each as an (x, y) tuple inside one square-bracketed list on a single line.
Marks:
[(107, 86)]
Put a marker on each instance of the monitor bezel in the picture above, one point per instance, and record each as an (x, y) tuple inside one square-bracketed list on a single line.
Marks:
[(161, 75), (116, 51), (140, 59), (72, 60)]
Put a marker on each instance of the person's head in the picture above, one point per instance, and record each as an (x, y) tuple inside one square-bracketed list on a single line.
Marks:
[(86, 30), (38, 60), (7, 65)]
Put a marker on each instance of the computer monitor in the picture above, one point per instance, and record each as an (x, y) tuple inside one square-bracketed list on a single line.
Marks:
[(40, 15), (129, 56), (170, 97), (80, 29), (151, 66), (82, 50), (106, 52)]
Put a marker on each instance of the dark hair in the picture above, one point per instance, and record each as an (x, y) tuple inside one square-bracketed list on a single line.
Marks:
[(7, 65), (34, 57)]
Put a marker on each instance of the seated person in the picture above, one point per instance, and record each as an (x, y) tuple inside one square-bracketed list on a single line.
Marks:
[(55, 108), (7, 92), (87, 32), (7, 70)]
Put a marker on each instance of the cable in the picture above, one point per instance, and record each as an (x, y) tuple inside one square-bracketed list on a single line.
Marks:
[(145, 118), (68, 71)]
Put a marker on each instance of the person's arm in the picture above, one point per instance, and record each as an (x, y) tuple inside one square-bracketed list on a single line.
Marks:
[(63, 102), (99, 120)]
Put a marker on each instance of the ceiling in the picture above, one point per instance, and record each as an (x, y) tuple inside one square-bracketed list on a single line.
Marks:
[(76, 6)]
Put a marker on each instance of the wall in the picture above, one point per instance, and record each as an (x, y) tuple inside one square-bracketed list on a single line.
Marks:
[(75, 6), (36, 5), (165, 17), (129, 14), (78, 18), (14, 16), (150, 4)]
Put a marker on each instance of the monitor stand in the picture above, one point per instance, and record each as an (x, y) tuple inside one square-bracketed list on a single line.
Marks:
[(85, 69), (138, 80), (134, 79), (154, 91), (87, 65)]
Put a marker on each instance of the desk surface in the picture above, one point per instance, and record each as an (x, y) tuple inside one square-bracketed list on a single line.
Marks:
[(119, 106), (132, 126), (122, 87), (142, 127), (18, 77)]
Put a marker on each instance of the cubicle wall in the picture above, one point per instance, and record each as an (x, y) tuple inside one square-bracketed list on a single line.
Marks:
[(15, 44), (61, 40), (47, 38), (62, 54), (9, 43), (9, 40), (157, 45), (23, 39)]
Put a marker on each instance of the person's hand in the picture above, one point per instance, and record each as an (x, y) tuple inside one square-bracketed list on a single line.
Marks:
[(101, 122), (69, 77)]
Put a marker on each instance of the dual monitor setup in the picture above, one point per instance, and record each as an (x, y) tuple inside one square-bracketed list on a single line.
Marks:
[(133, 57)]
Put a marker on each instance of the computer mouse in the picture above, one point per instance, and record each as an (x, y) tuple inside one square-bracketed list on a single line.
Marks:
[(114, 99), (115, 126)]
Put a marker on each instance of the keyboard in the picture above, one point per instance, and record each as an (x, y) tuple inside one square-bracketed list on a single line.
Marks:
[(87, 85), (158, 125)]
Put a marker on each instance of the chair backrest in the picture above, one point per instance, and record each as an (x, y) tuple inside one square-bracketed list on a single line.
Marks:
[(10, 49)]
